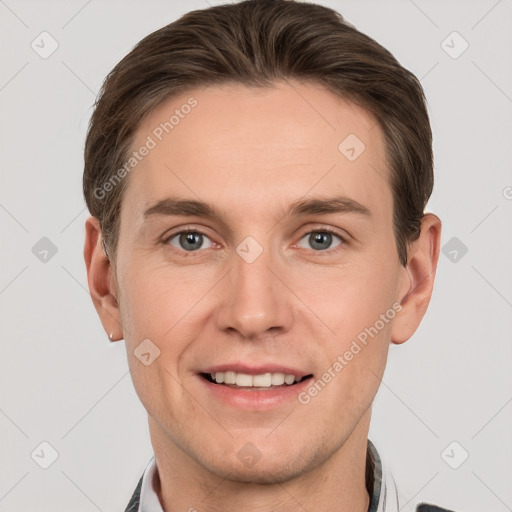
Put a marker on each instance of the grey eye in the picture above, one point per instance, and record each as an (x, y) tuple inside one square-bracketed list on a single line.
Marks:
[(190, 241), (320, 240)]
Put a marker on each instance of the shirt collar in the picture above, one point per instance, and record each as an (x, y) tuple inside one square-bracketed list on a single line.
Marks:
[(384, 494), (149, 501), (380, 483)]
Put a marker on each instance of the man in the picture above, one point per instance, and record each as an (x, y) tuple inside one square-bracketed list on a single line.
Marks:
[(257, 175)]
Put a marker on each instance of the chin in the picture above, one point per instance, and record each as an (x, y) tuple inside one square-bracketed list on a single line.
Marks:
[(273, 466), (260, 474)]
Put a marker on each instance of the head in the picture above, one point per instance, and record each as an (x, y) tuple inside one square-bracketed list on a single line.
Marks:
[(257, 176)]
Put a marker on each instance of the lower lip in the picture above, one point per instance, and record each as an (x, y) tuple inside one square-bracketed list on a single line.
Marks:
[(253, 399)]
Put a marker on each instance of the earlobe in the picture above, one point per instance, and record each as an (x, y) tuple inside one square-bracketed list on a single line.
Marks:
[(100, 277), (423, 256)]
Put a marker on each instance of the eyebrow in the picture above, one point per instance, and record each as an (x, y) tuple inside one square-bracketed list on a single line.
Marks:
[(324, 206), (181, 207), (314, 206)]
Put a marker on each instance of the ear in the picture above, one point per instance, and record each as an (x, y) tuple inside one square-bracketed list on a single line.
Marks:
[(101, 280), (423, 255)]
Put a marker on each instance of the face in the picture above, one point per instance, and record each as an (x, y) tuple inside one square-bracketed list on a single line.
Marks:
[(256, 245)]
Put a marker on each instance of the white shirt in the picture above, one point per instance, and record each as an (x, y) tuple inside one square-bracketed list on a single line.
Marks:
[(384, 499)]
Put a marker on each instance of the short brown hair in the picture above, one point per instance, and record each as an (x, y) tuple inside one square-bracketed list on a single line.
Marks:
[(257, 43)]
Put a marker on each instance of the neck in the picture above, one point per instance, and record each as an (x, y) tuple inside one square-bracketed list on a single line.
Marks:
[(338, 484)]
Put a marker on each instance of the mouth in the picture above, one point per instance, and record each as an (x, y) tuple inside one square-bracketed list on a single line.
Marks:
[(250, 387), (268, 381)]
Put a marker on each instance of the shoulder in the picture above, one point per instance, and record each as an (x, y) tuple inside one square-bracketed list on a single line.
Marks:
[(425, 507), (133, 505)]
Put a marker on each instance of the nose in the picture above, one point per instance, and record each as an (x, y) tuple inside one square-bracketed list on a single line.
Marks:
[(254, 300)]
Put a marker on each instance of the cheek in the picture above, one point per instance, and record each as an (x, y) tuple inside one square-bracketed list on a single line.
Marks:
[(159, 298), (164, 306), (155, 311), (356, 304), (351, 298)]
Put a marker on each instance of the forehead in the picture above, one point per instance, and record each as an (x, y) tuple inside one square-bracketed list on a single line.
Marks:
[(274, 144)]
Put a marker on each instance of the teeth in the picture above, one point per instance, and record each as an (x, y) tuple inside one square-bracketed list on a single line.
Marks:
[(243, 379), (264, 380), (277, 379), (289, 379), (229, 377)]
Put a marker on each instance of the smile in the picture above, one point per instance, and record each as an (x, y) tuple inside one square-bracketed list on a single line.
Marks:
[(260, 381), (246, 387)]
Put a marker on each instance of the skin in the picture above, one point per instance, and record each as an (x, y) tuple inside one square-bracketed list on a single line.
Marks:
[(294, 305)]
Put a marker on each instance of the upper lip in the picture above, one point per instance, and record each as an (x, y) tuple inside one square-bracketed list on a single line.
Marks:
[(256, 370)]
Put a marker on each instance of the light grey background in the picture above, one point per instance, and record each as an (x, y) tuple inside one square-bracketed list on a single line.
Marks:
[(62, 382)]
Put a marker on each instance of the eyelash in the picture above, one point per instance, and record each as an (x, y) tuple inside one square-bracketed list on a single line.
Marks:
[(331, 231)]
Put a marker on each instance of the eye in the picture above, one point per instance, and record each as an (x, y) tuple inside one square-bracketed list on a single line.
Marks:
[(320, 240), (189, 241)]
